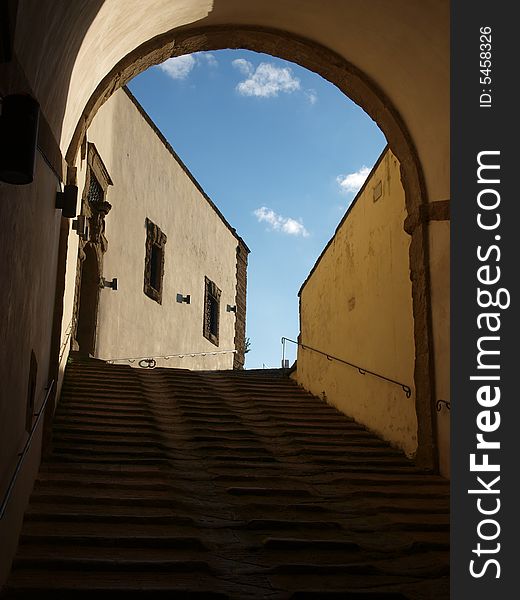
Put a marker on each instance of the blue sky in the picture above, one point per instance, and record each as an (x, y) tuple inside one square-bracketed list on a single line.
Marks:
[(280, 151)]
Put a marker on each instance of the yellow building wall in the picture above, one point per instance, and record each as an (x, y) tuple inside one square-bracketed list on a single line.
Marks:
[(357, 305), (439, 240), (148, 182)]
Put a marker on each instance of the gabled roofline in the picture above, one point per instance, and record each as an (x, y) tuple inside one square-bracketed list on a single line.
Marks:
[(168, 147), (345, 216)]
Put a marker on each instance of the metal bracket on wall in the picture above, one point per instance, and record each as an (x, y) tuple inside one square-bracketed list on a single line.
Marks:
[(80, 226), (109, 284), (147, 363), (441, 403)]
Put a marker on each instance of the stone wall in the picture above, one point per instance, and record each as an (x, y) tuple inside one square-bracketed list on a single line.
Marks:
[(153, 188), (240, 304), (357, 305)]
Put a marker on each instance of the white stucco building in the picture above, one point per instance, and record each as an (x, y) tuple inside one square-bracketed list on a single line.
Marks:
[(161, 273)]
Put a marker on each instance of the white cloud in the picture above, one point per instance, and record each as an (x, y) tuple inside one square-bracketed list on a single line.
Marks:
[(277, 222), (293, 227), (353, 181), (243, 65), (312, 96), (179, 67), (209, 58), (267, 80)]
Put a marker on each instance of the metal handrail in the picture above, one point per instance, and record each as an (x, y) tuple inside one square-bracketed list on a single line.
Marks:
[(151, 362), (68, 333), (362, 371), (23, 453)]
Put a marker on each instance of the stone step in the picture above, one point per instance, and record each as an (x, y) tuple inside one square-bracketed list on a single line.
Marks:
[(100, 482), (303, 544), (287, 482), (39, 583), (368, 479), (104, 415), (98, 408), (289, 525), (106, 496), (355, 458), (24, 590), (106, 383), (252, 461), (369, 492), (270, 492), (224, 439), (324, 594), (120, 393), (349, 450), (102, 380), (121, 459), (92, 468), (107, 421), (104, 430), (88, 519), (74, 401), (61, 439), (223, 484), (291, 508), (323, 436), (410, 505), (347, 439), (32, 542), (114, 566), (60, 447), (226, 430), (233, 449)]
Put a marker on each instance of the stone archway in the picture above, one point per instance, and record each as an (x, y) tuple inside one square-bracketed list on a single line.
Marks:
[(391, 58), (357, 86)]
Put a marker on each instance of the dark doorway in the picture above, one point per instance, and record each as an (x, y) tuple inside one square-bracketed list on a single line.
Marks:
[(88, 302)]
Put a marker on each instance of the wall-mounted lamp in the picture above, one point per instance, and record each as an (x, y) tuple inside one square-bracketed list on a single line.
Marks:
[(109, 284), (230, 308), (18, 135), (80, 226), (67, 201), (181, 299)]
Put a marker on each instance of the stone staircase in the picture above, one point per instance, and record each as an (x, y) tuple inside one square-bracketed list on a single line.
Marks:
[(174, 484)]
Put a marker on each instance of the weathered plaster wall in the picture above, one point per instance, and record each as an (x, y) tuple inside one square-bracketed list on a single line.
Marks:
[(150, 183), (401, 46), (28, 251), (68, 296), (357, 305), (62, 50), (240, 300), (440, 286), (75, 54)]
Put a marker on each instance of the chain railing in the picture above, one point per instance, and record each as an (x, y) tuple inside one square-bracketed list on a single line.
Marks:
[(361, 370), (23, 453), (150, 362)]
